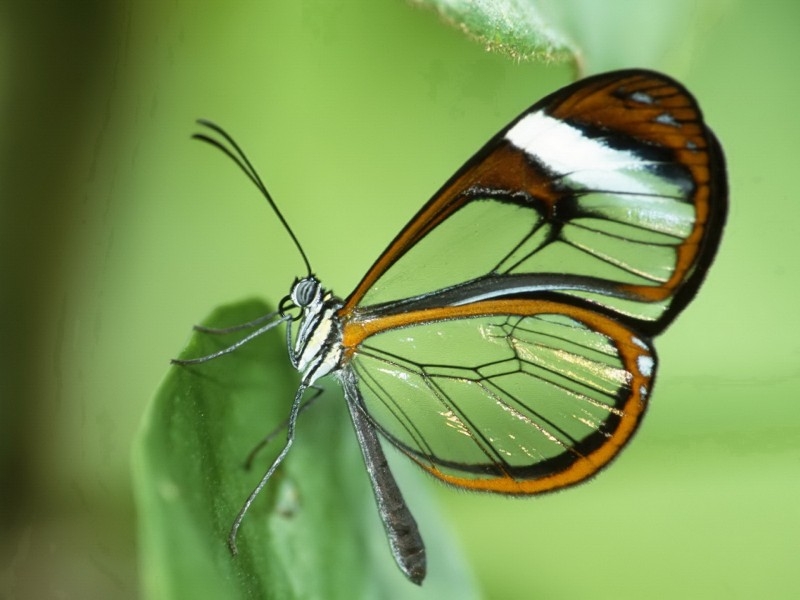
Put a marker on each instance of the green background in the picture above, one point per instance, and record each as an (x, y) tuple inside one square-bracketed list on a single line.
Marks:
[(354, 113)]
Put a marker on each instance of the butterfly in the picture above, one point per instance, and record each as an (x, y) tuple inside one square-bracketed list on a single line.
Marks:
[(503, 340)]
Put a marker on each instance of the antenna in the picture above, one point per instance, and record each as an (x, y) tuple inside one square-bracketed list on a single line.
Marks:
[(238, 156)]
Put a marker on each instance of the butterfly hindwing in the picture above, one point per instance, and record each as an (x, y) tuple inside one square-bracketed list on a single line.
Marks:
[(510, 396)]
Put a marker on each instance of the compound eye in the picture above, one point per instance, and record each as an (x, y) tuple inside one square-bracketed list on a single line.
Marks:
[(304, 291)]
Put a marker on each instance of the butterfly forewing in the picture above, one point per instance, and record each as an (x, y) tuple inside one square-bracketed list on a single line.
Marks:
[(610, 191)]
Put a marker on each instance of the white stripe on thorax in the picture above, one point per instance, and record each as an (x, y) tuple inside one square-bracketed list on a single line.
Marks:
[(318, 356)]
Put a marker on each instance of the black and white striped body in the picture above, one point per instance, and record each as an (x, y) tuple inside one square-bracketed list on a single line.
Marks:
[(318, 348), (319, 351)]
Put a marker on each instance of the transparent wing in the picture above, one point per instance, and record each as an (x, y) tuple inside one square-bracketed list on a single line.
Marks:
[(516, 397), (611, 192)]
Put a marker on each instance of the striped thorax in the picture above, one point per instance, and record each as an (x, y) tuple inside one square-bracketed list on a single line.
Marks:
[(318, 347)]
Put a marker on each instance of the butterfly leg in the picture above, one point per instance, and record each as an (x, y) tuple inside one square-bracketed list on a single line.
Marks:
[(229, 349), (248, 325), (272, 434), (275, 464)]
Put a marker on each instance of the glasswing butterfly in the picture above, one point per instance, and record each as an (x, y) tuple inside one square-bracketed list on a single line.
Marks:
[(503, 341)]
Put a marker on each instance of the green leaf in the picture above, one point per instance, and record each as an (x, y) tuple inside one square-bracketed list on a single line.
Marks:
[(615, 34), (513, 27), (314, 530)]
